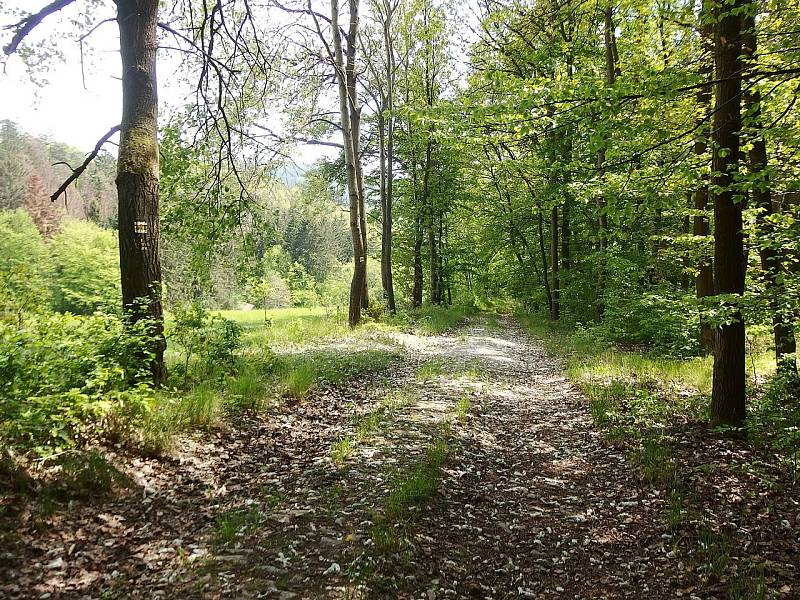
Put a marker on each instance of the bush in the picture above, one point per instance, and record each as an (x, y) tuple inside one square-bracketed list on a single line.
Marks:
[(24, 269), (206, 342), (63, 377), (86, 261), (662, 319)]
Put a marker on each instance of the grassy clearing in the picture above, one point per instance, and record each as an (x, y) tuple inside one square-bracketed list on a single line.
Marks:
[(435, 320), (631, 390)]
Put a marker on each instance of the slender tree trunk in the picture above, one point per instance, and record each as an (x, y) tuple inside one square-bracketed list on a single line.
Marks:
[(353, 188), (609, 43), (416, 292), (386, 248), (555, 308), (137, 174), (543, 254), (566, 259), (704, 282), (772, 259), (433, 256), (728, 391)]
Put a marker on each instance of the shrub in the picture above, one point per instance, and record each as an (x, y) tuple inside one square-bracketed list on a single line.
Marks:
[(86, 261), (24, 269), (210, 339), (63, 377)]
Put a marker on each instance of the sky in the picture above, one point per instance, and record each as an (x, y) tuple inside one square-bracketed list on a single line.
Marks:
[(63, 108)]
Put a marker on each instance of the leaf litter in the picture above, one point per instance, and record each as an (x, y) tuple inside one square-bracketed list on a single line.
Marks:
[(527, 501)]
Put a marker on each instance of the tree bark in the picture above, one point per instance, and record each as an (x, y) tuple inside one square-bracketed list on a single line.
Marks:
[(138, 176), (704, 282), (728, 391), (430, 212), (555, 308), (610, 46), (353, 188), (388, 184), (772, 259), (416, 292)]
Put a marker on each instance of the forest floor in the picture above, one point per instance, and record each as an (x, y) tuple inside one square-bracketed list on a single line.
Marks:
[(469, 468)]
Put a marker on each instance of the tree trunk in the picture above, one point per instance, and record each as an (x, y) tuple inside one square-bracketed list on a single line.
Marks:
[(728, 391), (772, 261), (433, 255), (555, 308), (609, 43), (386, 239), (704, 282), (353, 188), (546, 276), (416, 292), (137, 174), (566, 260)]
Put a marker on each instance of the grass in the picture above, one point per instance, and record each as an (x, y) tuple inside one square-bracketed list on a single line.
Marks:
[(435, 320), (430, 370), (397, 398), (420, 484), (246, 390), (462, 408), (298, 381), (341, 450), (654, 463), (234, 523)]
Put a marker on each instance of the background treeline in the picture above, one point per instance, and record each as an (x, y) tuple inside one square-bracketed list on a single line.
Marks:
[(293, 251)]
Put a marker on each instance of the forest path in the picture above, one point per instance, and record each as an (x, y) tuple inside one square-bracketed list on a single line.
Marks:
[(468, 469)]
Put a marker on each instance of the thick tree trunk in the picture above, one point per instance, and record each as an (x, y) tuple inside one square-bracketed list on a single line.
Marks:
[(137, 174), (728, 391), (772, 261)]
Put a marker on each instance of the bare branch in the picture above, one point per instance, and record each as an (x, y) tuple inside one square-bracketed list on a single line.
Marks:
[(77, 172), (29, 23)]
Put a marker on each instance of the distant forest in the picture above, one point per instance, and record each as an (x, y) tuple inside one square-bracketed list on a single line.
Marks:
[(32, 168), (293, 251)]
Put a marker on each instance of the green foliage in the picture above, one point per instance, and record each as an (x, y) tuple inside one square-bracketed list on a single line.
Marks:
[(206, 343), (774, 418), (86, 269), (25, 272), (63, 376), (420, 484), (662, 320), (86, 476)]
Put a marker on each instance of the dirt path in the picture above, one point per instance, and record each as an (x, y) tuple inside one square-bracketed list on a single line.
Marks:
[(470, 469)]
